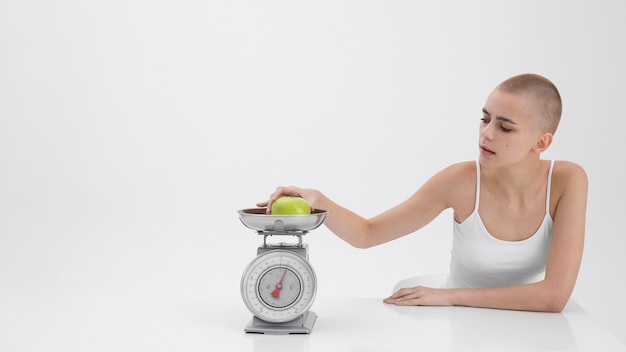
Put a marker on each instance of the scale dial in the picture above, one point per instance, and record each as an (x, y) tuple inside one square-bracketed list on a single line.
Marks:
[(278, 286)]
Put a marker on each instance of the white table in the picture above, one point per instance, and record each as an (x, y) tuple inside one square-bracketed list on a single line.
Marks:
[(367, 324), (112, 321)]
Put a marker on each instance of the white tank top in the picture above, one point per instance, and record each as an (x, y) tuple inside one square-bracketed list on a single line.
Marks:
[(480, 260)]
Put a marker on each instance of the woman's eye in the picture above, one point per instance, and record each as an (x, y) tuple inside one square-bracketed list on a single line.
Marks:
[(504, 129), (485, 120)]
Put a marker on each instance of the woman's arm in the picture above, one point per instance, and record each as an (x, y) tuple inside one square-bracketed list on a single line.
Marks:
[(417, 211), (550, 294)]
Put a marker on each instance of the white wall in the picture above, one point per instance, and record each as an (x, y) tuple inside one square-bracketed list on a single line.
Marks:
[(131, 132)]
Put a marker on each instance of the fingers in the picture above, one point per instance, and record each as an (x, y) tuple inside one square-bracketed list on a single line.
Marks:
[(279, 192), (420, 296), (401, 294), (406, 297)]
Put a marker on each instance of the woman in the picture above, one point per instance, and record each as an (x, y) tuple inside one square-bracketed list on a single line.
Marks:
[(519, 220)]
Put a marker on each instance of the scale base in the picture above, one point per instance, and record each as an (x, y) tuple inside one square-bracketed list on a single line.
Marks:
[(301, 325)]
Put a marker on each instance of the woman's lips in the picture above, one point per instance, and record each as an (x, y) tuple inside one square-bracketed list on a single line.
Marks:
[(486, 151)]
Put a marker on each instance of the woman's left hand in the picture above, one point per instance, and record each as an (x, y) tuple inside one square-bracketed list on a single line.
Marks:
[(420, 296)]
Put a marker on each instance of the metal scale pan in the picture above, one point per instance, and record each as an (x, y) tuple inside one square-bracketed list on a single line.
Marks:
[(258, 220)]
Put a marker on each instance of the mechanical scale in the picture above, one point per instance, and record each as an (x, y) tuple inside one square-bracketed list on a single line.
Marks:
[(279, 285)]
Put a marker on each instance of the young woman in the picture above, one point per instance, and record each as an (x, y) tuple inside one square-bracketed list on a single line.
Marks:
[(519, 220)]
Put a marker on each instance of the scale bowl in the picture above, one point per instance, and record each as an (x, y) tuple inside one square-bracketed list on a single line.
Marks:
[(258, 220)]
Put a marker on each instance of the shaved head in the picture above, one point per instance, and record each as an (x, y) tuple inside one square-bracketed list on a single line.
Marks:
[(545, 95)]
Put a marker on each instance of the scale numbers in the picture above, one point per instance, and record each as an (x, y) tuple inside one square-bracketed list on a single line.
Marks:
[(278, 286)]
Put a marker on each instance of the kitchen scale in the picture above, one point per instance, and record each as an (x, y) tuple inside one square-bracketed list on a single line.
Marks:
[(279, 285)]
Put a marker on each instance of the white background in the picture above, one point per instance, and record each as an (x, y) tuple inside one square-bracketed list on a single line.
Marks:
[(132, 131)]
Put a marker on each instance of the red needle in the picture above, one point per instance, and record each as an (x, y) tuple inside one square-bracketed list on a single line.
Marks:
[(279, 285)]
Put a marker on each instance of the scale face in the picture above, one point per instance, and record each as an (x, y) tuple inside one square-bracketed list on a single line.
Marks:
[(279, 285)]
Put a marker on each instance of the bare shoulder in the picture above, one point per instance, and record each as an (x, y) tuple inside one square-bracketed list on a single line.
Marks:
[(457, 183), (452, 179), (568, 174), (459, 174), (569, 190)]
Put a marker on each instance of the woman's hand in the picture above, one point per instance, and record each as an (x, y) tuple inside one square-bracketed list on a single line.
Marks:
[(420, 296), (292, 191)]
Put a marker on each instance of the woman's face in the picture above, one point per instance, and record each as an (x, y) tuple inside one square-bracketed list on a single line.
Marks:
[(508, 129)]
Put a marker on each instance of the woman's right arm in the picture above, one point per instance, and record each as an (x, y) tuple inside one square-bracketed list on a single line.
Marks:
[(346, 224), (436, 195)]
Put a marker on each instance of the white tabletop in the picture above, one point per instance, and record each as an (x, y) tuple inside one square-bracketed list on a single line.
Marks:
[(367, 324), (120, 322)]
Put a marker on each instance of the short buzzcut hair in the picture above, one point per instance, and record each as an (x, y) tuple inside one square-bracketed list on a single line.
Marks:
[(543, 91)]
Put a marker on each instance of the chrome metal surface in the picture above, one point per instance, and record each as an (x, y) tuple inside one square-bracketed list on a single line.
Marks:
[(257, 219)]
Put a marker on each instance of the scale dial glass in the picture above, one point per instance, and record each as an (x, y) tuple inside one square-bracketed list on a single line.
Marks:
[(278, 286)]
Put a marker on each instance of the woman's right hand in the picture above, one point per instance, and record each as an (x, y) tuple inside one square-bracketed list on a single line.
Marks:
[(292, 191)]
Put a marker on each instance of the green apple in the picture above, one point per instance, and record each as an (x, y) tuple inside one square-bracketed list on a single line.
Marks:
[(287, 205)]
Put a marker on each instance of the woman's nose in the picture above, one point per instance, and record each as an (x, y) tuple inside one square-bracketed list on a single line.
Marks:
[(486, 131)]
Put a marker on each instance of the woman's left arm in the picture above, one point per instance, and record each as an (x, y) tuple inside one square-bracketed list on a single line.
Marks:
[(548, 295)]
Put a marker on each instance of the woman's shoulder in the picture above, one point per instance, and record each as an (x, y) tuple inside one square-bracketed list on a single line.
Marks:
[(458, 176), (567, 174), (460, 183), (461, 168), (566, 170), (453, 178), (458, 171), (569, 192)]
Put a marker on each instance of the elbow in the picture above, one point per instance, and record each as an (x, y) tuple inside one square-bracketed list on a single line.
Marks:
[(555, 307), (362, 244), (557, 304), (556, 301), (363, 238)]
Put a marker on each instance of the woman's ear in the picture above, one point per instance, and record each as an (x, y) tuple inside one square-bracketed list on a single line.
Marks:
[(543, 142)]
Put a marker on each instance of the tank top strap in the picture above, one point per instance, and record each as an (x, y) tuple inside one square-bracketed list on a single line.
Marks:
[(549, 187), (477, 198)]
